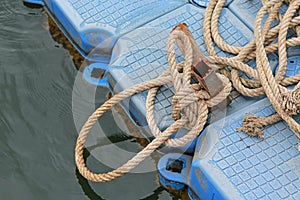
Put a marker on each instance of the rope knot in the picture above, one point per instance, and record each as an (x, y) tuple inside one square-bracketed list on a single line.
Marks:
[(186, 101), (194, 79)]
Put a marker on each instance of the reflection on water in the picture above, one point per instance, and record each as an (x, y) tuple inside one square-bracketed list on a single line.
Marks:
[(60, 38), (38, 134)]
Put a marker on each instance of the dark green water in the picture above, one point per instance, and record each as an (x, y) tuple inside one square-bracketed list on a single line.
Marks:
[(38, 132)]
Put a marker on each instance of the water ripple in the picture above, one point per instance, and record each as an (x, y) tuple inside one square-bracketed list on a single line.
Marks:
[(15, 32), (9, 7)]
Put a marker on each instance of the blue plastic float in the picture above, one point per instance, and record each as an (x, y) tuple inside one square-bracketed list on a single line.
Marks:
[(130, 38), (230, 165)]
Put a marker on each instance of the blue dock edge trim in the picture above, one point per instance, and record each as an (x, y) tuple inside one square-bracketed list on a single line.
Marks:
[(91, 79), (174, 169), (204, 3), (37, 2)]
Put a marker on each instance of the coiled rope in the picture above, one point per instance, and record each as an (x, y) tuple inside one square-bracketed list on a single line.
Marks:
[(286, 102), (192, 100)]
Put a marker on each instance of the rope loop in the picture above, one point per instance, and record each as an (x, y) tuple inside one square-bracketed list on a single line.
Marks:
[(191, 103), (191, 100), (267, 39)]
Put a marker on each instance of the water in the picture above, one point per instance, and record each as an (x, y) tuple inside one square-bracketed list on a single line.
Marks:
[(38, 133)]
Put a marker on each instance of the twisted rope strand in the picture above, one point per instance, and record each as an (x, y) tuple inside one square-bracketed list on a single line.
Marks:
[(191, 107), (286, 102)]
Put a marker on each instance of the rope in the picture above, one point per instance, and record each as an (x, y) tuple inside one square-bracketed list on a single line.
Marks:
[(192, 107), (191, 101), (285, 101)]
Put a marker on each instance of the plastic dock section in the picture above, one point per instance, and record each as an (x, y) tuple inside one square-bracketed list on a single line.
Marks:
[(231, 165), (128, 39), (94, 25)]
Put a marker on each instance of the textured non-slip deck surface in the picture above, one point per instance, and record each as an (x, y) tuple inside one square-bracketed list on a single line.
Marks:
[(247, 10), (99, 23), (256, 168), (122, 15)]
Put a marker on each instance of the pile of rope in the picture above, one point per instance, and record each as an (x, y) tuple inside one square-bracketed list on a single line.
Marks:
[(286, 102), (191, 100)]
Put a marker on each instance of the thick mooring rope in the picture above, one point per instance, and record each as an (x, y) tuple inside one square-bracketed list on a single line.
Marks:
[(191, 101), (286, 102)]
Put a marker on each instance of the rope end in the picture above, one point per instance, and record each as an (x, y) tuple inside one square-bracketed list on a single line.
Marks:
[(252, 126)]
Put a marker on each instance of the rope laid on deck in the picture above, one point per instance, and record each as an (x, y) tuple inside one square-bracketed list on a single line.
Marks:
[(286, 102), (192, 100)]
